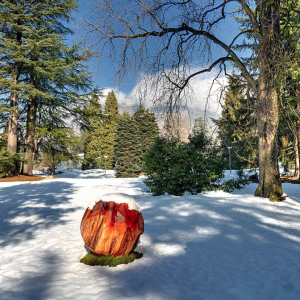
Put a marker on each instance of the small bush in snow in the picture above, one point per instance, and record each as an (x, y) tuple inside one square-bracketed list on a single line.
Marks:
[(9, 163), (176, 167)]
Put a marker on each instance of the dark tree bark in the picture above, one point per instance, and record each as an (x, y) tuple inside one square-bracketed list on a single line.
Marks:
[(30, 144)]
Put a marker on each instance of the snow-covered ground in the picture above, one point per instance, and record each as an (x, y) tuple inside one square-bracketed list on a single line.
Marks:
[(75, 173), (208, 246)]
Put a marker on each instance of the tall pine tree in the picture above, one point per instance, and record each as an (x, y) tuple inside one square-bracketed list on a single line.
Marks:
[(111, 115), (43, 75), (93, 134), (237, 127), (148, 130), (127, 147)]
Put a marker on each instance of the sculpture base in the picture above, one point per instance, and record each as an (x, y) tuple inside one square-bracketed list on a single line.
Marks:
[(111, 261)]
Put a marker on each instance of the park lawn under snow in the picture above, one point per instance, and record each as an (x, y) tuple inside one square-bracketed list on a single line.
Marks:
[(212, 245)]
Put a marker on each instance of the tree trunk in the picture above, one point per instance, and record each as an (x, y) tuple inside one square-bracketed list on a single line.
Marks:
[(12, 134), (267, 121), (30, 148), (296, 153), (286, 167), (267, 103), (298, 157)]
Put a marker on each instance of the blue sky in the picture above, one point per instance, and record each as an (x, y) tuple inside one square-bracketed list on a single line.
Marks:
[(104, 76)]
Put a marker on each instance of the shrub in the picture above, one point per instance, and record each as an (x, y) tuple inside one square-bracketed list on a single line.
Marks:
[(10, 163), (176, 167), (235, 184)]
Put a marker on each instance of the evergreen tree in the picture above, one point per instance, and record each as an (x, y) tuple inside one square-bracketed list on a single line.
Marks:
[(237, 125), (93, 134), (148, 130), (127, 147), (57, 144), (289, 127), (176, 167), (110, 120), (3, 137), (200, 126), (48, 76), (12, 20)]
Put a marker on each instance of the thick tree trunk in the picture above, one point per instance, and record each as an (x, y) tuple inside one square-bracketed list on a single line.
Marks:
[(267, 103), (12, 134), (30, 148), (267, 121)]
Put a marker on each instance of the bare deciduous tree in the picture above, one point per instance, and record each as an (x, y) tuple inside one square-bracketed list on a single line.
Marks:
[(172, 41)]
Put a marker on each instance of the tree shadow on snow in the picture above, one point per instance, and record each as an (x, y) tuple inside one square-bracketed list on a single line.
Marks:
[(213, 249), (35, 287), (27, 208)]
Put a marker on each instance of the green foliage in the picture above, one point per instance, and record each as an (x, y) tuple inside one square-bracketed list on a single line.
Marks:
[(57, 145), (127, 147), (3, 138), (176, 167), (235, 184), (46, 75), (10, 163), (200, 126), (148, 130), (94, 260), (111, 115), (93, 133), (237, 126)]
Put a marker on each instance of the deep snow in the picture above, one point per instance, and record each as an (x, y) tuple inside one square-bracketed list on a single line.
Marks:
[(213, 245)]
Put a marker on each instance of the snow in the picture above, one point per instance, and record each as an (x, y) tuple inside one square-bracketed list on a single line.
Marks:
[(213, 245), (75, 173), (119, 198)]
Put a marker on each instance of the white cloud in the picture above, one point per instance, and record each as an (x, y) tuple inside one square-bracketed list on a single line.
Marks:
[(202, 99)]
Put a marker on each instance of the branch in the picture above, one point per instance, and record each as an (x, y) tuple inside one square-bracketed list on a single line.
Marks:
[(220, 60), (214, 9), (1, 62), (252, 17), (230, 52), (186, 28), (251, 161)]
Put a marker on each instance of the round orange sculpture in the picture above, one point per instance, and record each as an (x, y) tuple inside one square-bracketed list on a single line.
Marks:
[(112, 228)]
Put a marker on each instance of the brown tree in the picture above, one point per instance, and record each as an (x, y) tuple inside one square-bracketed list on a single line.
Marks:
[(174, 41)]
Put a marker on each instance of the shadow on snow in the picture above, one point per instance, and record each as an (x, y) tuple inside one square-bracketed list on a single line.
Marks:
[(28, 207)]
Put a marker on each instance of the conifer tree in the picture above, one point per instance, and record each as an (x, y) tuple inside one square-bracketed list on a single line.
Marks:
[(237, 125), (148, 130), (177, 167), (12, 19), (93, 133), (127, 147), (110, 120), (43, 75), (57, 146), (200, 126)]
